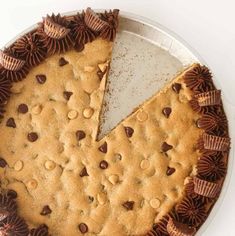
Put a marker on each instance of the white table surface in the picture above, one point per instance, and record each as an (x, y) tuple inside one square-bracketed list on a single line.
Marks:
[(207, 25)]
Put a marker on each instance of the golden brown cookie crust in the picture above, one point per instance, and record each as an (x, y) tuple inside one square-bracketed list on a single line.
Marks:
[(47, 171)]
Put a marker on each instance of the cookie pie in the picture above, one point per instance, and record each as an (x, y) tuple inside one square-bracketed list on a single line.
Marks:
[(157, 173)]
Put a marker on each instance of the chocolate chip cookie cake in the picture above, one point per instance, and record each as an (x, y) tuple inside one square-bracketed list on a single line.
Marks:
[(157, 173)]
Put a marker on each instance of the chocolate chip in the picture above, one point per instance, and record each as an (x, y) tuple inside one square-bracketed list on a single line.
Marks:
[(80, 135), (176, 87), (170, 171), (32, 137), (166, 111), (100, 74), (104, 164), (103, 148), (23, 108), (83, 172), (11, 123), (166, 147), (91, 199), (129, 205), (83, 228), (129, 131), (45, 211), (11, 194), (67, 95), (63, 62), (41, 78), (3, 163)]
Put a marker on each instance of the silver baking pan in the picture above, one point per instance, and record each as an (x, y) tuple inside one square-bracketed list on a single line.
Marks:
[(146, 56)]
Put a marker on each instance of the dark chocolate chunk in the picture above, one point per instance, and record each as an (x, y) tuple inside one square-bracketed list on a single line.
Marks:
[(129, 205), (166, 147), (176, 87), (170, 171), (83, 228), (23, 108), (166, 111), (45, 211), (80, 135), (11, 123), (103, 148), (129, 131), (91, 199), (63, 62), (83, 172), (41, 78), (3, 163), (67, 95), (32, 137), (104, 164), (11, 194)]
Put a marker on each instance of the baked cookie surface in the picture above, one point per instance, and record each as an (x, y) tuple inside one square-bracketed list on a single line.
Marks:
[(149, 172)]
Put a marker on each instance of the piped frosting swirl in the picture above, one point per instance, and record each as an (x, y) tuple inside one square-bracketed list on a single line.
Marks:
[(192, 211), (82, 34), (56, 34), (213, 123), (30, 48), (109, 31), (211, 167), (199, 79)]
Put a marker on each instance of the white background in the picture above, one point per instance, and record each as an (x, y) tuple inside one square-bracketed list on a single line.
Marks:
[(207, 25)]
